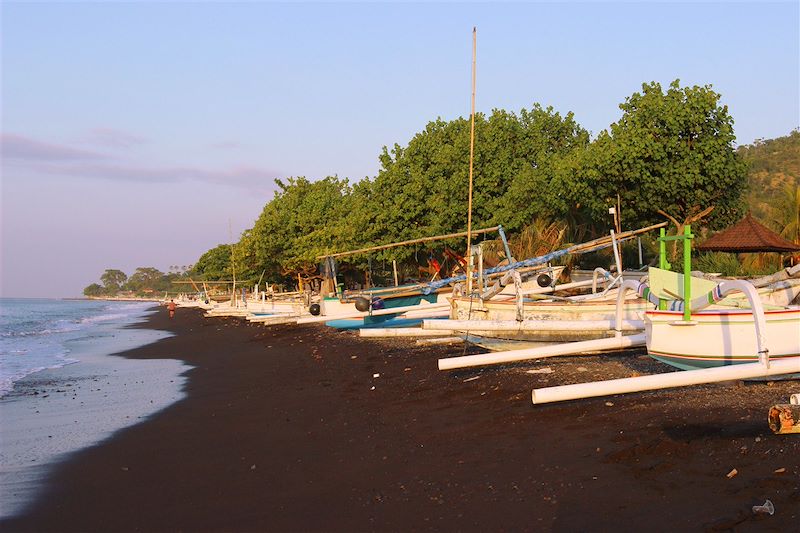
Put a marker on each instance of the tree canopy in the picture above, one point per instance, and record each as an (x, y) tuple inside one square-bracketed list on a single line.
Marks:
[(113, 280), (670, 156), (296, 226), (214, 264), (144, 281)]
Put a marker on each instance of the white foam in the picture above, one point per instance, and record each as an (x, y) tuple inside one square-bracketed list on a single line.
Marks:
[(79, 405)]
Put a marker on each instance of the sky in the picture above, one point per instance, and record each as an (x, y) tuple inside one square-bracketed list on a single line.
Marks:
[(143, 134)]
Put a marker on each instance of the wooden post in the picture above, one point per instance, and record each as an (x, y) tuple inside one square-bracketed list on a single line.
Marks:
[(639, 242), (687, 272), (471, 155), (233, 264), (480, 269), (662, 260), (394, 269)]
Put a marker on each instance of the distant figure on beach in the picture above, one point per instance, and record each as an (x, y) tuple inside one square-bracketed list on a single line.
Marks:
[(171, 307)]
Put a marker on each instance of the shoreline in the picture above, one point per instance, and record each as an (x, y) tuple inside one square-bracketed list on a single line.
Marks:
[(57, 411), (288, 428), (113, 299)]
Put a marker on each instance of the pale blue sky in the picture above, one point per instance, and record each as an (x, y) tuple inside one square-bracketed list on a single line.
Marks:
[(133, 133)]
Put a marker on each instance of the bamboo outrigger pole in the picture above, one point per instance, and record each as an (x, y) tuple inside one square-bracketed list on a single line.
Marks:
[(471, 160), (405, 243)]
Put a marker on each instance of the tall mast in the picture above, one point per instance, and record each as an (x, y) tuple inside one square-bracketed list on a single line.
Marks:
[(233, 262), (471, 158)]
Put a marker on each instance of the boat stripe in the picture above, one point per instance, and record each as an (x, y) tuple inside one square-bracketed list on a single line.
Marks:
[(719, 358), (729, 323), (733, 312)]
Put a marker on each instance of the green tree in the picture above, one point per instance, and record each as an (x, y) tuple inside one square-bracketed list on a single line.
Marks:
[(215, 264), (786, 214), (773, 171), (422, 188), (670, 156), (113, 280), (147, 279), (297, 225), (94, 290)]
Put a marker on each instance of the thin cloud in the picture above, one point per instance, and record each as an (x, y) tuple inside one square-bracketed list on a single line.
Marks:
[(113, 138), (242, 176), (58, 160), (20, 148)]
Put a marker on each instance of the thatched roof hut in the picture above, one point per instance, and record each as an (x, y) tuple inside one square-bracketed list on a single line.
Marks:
[(748, 236)]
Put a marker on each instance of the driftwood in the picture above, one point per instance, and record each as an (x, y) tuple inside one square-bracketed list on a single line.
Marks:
[(784, 418)]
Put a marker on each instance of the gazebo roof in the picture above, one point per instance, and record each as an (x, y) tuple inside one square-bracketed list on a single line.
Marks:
[(748, 235)]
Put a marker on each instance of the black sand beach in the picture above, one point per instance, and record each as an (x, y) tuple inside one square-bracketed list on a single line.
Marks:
[(288, 429)]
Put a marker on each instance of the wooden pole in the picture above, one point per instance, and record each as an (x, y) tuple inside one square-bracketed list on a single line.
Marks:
[(471, 152), (233, 264), (412, 241), (394, 269)]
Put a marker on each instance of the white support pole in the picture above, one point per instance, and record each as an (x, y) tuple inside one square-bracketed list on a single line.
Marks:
[(275, 320), (569, 348), (641, 260), (599, 271), (623, 289), (531, 325), (440, 340), (664, 381), (617, 259), (402, 332)]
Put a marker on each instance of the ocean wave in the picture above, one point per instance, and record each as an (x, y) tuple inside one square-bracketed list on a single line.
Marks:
[(129, 306), (68, 328), (103, 318), (7, 380), (34, 335)]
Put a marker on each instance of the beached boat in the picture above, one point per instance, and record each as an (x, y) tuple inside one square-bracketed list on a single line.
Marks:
[(509, 310), (467, 314), (710, 345), (379, 300), (720, 337), (370, 307)]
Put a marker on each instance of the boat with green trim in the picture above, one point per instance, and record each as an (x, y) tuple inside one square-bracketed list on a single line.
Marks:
[(720, 337)]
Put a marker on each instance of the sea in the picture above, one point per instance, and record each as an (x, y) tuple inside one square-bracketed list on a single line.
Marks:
[(62, 389), (35, 334)]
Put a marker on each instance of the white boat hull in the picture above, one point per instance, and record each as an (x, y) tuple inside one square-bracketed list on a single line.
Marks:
[(506, 310), (720, 337)]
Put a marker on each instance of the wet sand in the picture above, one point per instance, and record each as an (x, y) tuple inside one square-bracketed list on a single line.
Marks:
[(54, 412), (287, 429)]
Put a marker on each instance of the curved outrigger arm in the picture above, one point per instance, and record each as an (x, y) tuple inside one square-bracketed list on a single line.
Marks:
[(701, 302)]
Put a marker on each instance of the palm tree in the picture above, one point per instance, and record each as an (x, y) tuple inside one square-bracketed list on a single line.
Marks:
[(539, 237)]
